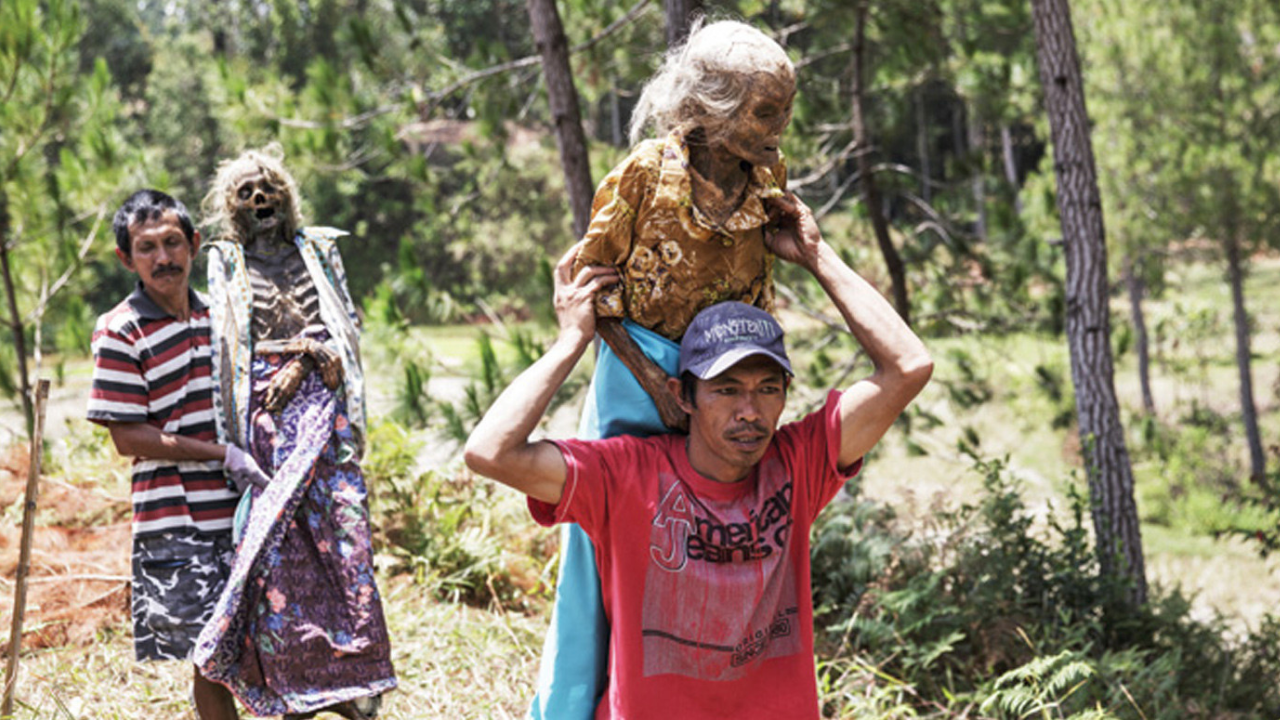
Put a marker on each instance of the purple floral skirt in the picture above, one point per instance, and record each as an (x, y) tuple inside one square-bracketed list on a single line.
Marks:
[(300, 624)]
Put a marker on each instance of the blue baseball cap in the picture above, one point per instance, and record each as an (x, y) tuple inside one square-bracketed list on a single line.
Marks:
[(724, 334)]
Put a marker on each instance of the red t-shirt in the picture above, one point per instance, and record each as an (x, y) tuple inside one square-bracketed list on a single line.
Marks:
[(706, 584)]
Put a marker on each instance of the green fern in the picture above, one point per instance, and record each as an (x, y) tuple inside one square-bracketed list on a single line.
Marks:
[(1042, 687), (413, 406)]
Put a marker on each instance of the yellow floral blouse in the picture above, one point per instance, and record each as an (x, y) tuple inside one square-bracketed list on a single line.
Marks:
[(674, 261)]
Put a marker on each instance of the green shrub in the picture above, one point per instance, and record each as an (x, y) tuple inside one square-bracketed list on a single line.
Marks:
[(492, 377), (1189, 475), (992, 606), (460, 537)]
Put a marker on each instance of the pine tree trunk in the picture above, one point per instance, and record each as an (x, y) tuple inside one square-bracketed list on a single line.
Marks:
[(548, 34), (1115, 515), (1134, 284), (870, 190), (1240, 318), (977, 183), (15, 316), (617, 134), (680, 14), (1010, 167), (922, 147)]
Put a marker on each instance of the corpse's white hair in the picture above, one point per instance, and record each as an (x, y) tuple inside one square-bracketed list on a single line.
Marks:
[(219, 204), (703, 82)]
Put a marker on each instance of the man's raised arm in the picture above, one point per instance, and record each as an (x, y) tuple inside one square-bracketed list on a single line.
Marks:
[(499, 447), (902, 364)]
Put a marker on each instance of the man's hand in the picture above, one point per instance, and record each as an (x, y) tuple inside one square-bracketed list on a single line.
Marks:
[(793, 233), (243, 470), (575, 296)]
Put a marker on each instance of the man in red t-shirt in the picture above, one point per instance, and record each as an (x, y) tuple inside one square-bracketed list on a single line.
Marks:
[(702, 540)]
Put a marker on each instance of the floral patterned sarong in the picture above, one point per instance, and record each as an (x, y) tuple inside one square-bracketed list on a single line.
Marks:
[(300, 625)]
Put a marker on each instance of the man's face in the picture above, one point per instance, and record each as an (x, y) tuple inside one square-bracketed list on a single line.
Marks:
[(161, 256), (258, 204), (734, 418), (755, 135)]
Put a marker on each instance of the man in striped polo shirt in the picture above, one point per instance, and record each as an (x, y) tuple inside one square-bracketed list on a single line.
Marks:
[(152, 389)]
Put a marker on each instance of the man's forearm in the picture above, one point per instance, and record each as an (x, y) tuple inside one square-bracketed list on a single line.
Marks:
[(147, 441), (886, 338), (499, 446), (514, 415), (902, 364)]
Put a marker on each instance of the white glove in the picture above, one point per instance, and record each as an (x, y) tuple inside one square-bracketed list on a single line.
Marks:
[(243, 470)]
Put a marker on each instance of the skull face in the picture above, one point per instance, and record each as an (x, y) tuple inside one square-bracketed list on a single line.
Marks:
[(259, 205), (755, 133)]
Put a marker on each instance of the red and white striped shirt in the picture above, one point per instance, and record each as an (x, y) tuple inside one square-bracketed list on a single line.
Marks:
[(150, 367)]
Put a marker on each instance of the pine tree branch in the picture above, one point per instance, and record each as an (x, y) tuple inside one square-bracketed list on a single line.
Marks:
[(83, 251), (435, 97)]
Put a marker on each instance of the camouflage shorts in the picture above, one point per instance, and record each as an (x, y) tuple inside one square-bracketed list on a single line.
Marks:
[(177, 578)]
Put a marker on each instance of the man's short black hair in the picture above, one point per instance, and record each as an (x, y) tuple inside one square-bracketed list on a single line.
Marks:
[(689, 388), (143, 207)]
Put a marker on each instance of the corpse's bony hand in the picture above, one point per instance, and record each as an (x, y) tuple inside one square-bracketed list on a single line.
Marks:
[(309, 354), (284, 385), (323, 356)]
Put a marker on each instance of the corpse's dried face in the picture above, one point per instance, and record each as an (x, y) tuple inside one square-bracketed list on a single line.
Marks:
[(260, 205), (755, 134)]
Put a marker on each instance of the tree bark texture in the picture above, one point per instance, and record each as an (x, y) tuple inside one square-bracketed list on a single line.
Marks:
[(15, 317), (866, 170), (1010, 166), (976, 150), (1133, 282), (553, 46), (922, 145), (1106, 458), (680, 15), (1240, 318)]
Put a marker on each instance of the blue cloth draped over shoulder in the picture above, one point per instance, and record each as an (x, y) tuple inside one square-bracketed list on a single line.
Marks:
[(575, 655)]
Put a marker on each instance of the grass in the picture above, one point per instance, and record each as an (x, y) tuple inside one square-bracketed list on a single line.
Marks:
[(1211, 570), (453, 661)]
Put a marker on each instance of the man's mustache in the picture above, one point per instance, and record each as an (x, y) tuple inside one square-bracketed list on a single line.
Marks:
[(167, 270), (747, 427)]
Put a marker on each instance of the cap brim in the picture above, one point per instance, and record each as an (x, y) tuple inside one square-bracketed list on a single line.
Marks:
[(706, 371)]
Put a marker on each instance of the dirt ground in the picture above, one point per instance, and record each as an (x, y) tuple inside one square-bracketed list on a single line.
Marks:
[(78, 582)]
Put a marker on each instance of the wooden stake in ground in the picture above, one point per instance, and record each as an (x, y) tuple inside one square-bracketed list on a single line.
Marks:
[(24, 558)]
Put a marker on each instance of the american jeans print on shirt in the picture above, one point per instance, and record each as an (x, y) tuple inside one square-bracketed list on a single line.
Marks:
[(720, 591)]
